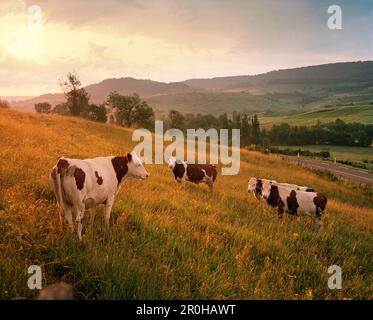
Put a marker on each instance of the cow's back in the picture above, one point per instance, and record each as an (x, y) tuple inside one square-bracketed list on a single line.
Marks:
[(87, 178), (196, 172)]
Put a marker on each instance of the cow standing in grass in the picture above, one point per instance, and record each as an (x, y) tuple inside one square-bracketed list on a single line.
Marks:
[(295, 202), (196, 173), (255, 186), (82, 184)]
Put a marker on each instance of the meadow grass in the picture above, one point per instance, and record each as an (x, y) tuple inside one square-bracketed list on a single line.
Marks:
[(362, 113), (168, 243)]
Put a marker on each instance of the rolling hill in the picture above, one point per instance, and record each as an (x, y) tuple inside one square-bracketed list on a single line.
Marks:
[(274, 94), (362, 113), (167, 243), (333, 73)]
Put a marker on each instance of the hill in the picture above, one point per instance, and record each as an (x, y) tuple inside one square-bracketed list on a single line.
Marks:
[(362, 113), (332, 73), (99, 92), (167, 243), (276, 93)]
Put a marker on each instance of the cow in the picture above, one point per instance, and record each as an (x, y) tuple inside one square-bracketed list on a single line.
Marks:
[(196, 173), (82, 184), (255, 186), (293, 201)]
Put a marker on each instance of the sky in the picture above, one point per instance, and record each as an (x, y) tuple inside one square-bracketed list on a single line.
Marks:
[(171, 40)]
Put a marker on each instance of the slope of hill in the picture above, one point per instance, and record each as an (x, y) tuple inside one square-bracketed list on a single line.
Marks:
[(344, 72), (276, 93), (209, 102), (167, 243), (99, 92), (145, 88), (362, 113)]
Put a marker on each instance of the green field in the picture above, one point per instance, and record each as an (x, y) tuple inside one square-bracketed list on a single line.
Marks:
[(357, 113), (340, 152), (168, 243)]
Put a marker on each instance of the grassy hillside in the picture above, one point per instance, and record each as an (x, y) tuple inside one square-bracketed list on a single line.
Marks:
[(362, 113), (171, 243), (209, 102)]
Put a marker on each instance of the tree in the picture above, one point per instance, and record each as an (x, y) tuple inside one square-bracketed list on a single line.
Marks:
[(224, 121), (43, 107), (97, 113), (143, 116), (245, 130), (176, 120), (130, 110), (255, 130), (4, 104), (61, 108), (76, 96)]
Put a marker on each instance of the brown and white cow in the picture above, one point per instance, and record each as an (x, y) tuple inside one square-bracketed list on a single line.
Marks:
[(195, 173), (255, 186), (295, 202), (82, 184)]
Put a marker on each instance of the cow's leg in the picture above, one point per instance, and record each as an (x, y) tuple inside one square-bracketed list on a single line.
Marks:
[(68, 218), (318, 215), (108, 206), (79, 211), (280, 210), (92, 213), (181, 182), (211, 185), (62, 217)]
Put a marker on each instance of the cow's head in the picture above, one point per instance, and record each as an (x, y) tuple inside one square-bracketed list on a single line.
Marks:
[(266, 189), (251, 185), (172, 161), (136, 169)]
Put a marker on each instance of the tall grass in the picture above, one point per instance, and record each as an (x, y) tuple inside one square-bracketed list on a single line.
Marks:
[(168, 243)]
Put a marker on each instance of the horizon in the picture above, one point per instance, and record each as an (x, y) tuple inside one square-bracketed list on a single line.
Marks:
[(18, 98), (39, 44)]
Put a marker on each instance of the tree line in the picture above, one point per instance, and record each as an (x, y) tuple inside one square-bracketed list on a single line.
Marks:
[(131, 111), (249, 126), (332, 133), (125, 110)]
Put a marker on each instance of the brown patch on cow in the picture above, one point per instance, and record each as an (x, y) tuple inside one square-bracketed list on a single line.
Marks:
[(258, 187), (320, 202), (120, 167), (99, 179), (195, 172), (310, 190), (79, 176), (292, 202), (62, 166), (275, 200), (178, 170)]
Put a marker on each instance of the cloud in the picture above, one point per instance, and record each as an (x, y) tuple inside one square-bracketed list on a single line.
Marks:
[(170, 40)]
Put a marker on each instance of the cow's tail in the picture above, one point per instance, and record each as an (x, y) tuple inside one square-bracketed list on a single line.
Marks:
[(56, 178)]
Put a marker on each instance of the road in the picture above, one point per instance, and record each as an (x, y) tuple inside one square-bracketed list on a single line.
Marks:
[(341, 172)]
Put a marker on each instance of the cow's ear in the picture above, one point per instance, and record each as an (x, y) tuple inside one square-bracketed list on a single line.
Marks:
[(129, 157)]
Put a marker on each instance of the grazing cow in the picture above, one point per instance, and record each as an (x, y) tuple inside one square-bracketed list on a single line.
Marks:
[(82, 184), (195, 173), (295, 202), (255, 186)]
